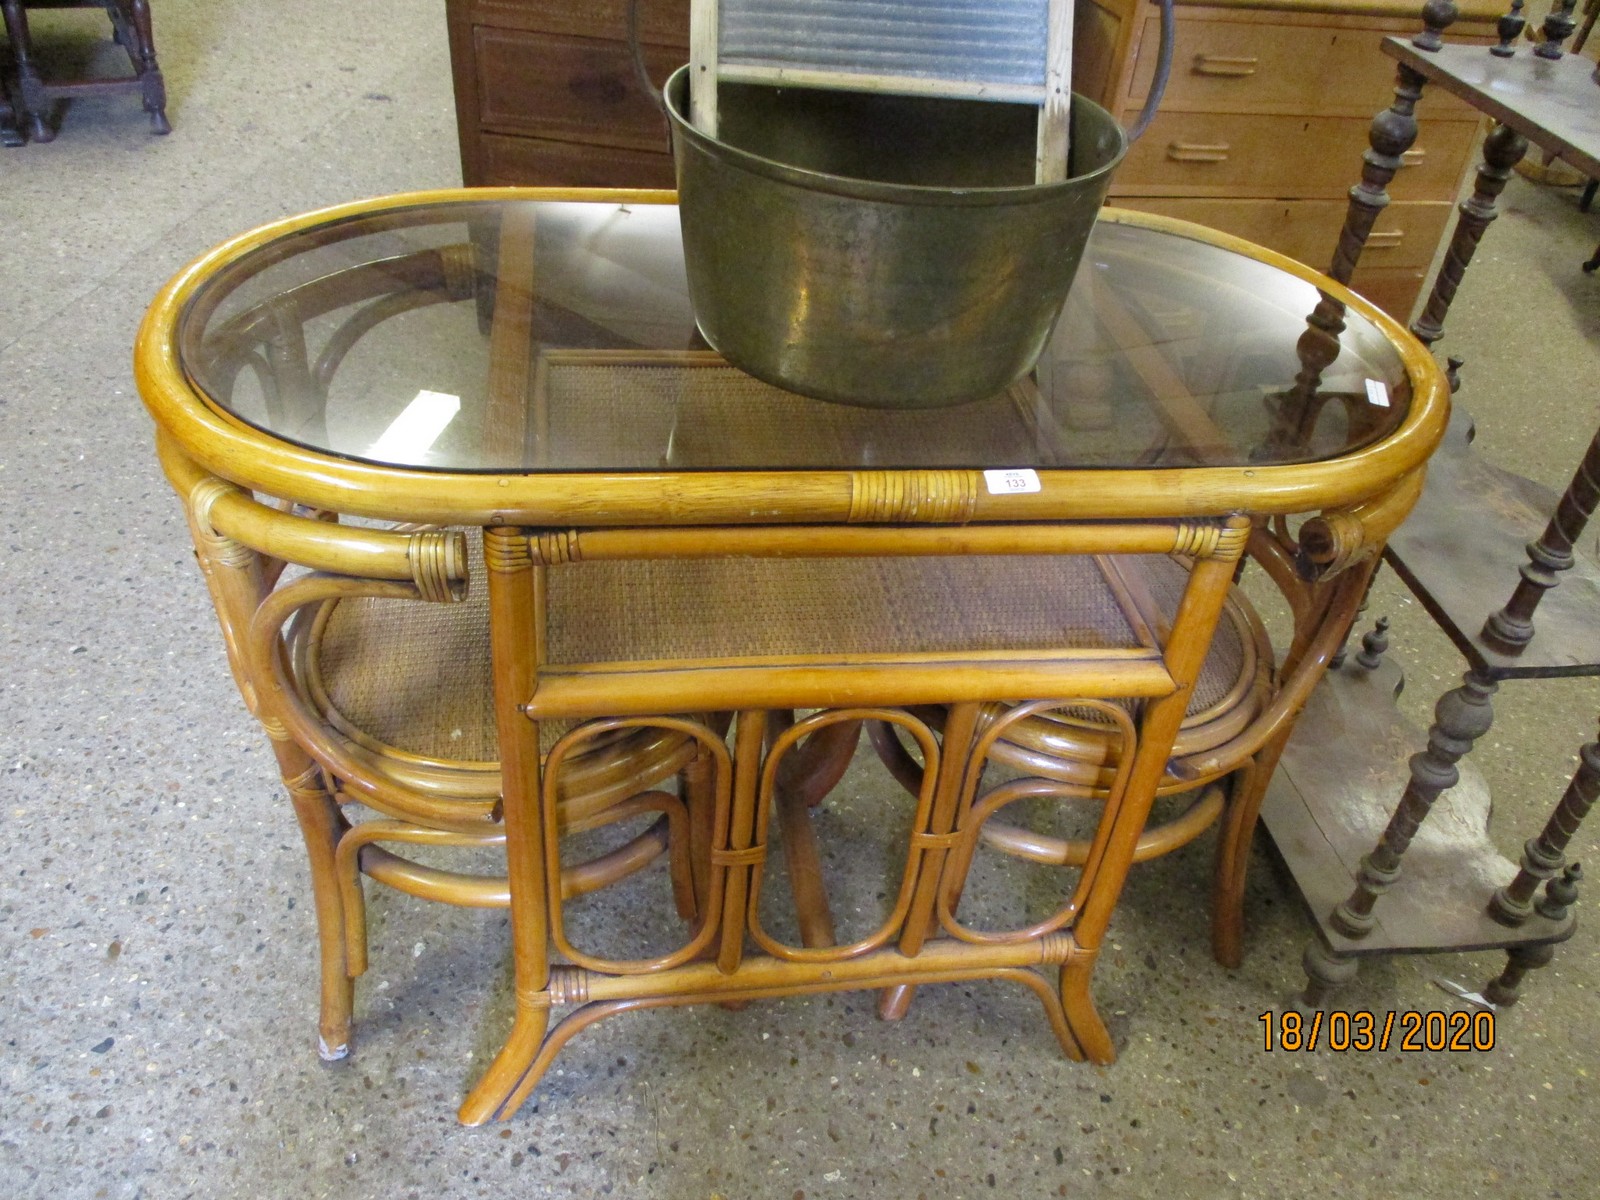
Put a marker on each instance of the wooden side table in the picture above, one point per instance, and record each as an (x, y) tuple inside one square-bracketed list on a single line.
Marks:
[(1473, 532), (130, 24)]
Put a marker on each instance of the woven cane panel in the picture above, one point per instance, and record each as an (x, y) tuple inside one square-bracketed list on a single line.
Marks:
[(720, 608), (650, 416), (1166, 580), (416, 675)]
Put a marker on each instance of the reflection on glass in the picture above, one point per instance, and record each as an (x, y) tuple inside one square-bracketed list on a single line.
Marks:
[(412, 434), (565, 333)]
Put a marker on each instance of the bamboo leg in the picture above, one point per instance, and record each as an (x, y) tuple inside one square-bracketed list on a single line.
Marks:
[(701, 801), (1083, 1019), (321, 825), (805, 870), (1192, 631), (960, 729), (516, 623), (1248, 787), (806, 775), (749, 738), (490, 1096)]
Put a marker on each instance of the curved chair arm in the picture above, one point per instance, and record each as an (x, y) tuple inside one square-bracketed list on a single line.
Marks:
[(1335, 540), (1319, 647), (435, 561)]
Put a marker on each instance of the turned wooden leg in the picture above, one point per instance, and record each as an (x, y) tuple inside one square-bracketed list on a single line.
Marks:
[(1506, 989), (1326, 973), (1559, 896), (143, 53), (35, 107), (1512, 626), (1461, 717), (1544, 856), (1294, 413), (1557, 28), (10, 132), (1502, 150)]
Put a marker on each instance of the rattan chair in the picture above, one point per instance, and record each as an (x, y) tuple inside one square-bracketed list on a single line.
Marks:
[(365, 654), (844, 625), (1225, 750)]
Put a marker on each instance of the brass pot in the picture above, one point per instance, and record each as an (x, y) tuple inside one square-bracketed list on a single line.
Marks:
[(883, 251)]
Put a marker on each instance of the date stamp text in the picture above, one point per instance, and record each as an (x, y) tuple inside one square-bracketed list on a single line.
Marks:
[(1343, 1030)]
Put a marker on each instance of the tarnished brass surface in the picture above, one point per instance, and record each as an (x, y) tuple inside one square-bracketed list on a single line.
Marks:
[(884, 251)]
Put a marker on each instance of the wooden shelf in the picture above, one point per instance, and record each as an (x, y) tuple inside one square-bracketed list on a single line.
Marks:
[(1332, 795), (1459, 552)]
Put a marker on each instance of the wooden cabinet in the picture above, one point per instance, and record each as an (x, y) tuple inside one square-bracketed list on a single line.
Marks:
[(546, 91), (1265, 119)]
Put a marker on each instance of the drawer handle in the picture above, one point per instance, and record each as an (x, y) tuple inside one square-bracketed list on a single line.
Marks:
[(1231, 66), (1413, 158), (1196, 152), (1385, 239)]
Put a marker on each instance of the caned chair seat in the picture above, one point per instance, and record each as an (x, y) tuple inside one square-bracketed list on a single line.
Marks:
[(409, 687), (403, 691), (1233, 688)]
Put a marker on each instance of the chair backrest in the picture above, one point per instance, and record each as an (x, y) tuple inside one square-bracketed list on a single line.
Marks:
[(1017, 51)]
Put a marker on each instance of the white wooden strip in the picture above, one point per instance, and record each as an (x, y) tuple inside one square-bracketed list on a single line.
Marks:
[(903, 85), (704, 37), (1056, 114)]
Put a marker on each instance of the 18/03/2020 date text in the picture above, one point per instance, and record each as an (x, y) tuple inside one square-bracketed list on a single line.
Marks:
[(1343, 1030)]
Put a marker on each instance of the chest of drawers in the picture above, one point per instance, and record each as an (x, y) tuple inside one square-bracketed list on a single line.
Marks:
[(547, 94), (1265, 118)]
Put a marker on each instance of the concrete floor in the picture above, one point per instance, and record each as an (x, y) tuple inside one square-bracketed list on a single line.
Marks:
[(157, 980)]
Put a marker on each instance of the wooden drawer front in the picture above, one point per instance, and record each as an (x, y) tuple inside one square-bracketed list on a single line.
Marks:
[(1406, 234), (1207, 154), (665, 22), (535, 162), (1393, 289), (1238, 66), (576, 89)]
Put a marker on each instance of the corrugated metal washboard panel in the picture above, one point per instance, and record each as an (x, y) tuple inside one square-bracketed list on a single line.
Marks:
[(990, 49)]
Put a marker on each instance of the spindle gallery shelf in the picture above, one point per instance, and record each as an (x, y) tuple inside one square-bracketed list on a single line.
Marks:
[(1330, 800), (1492, 557)]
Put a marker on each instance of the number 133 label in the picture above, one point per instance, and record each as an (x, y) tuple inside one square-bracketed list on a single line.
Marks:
[(1013, 480)]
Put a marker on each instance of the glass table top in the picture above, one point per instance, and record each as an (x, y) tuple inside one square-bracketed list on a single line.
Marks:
[(540, 335)]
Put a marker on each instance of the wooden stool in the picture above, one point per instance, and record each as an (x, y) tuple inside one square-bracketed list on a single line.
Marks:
[(130, 24)]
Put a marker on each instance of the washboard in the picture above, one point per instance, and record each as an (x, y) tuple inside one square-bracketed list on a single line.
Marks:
[(1016, 51)]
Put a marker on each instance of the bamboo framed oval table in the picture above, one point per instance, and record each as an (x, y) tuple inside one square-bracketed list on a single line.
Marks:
[(1029, 599)]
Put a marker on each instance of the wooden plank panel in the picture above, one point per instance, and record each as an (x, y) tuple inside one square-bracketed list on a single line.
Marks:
[(661, 22), (1265, 62), (539, 162), (578, 89), (1281, 157), (1406, 233)]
